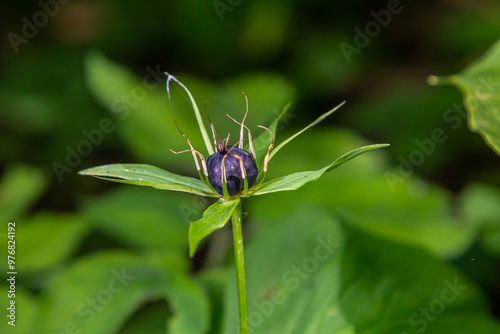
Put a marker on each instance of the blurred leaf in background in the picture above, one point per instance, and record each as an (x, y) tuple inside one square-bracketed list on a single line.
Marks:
[(145, 219), (49, 240), (20, 187), (411, 211), (480, 84), (481, 205), (309, 273), (97, 294)]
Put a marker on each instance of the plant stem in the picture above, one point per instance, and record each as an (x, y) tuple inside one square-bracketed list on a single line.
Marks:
[(240, 270), (201, 125)]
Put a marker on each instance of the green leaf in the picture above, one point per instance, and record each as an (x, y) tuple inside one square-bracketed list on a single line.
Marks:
[(97, 294), (480, 85), (377, 198), (149, 319), (319, 119), (214, 282), (481, 206), (48, 239), (147, 175), (143, 217), (297, 180), (20, 187), (26, 311), (214, 218), (310, 274)]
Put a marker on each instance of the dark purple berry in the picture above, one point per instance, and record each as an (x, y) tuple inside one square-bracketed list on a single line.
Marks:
[(235, 183)]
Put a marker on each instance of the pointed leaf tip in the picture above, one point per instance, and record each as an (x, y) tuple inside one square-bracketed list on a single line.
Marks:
[(297, 180), (319, 119), (353, 154)]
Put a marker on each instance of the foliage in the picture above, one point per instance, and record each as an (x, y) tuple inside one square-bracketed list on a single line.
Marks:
[(480, 85), (348, 282), (400, 229)]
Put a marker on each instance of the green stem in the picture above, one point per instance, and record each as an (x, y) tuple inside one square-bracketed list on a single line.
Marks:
[(201, 125), (240, 269)]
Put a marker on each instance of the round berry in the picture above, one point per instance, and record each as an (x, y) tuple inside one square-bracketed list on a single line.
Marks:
[(235, 182)]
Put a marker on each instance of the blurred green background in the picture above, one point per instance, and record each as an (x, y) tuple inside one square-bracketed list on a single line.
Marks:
[(82, 84)]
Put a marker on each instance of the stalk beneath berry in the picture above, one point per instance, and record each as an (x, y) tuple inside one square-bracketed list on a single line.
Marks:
[(239, 258)]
